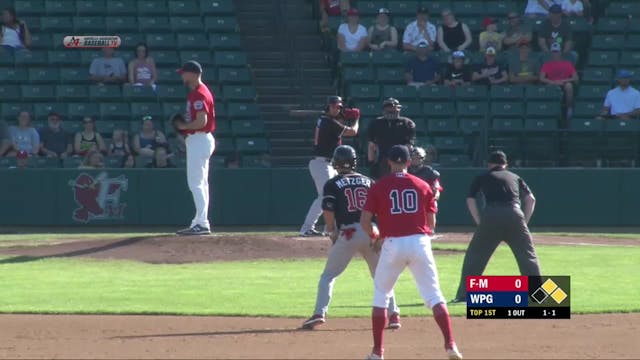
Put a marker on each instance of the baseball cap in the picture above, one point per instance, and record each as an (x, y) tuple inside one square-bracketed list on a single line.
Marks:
[(490, 51), (423, 45), (22, 154), (498, 157), (556, 47), (191, 66), (624, 74), (54, 114), (384, 11), (458, 54), (555, 9), (353, 12), (399, 154), (422, 10), (488, 21)]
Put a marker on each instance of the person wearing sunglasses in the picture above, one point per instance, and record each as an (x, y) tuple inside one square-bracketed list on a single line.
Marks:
[(516, 32), (88, 139)]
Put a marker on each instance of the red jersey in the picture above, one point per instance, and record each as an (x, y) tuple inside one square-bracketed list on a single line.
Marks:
[(401, 202), (201, 99), (558, 70), (332, 7)]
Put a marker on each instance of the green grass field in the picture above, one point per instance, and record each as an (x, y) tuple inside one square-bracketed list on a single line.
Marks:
[(604, 279)]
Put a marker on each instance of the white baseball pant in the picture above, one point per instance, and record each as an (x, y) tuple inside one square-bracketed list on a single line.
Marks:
[(200, 147), (414, 252), (321, 171)]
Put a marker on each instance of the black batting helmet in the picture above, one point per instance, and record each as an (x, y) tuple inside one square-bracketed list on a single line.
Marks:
[(344, 157), (332, 100), (391, 102)]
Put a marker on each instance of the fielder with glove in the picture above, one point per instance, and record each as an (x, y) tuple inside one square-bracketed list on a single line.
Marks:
[(343, 199)]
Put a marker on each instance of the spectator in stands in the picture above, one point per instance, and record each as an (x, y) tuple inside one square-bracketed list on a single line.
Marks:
[(554, 30), (516, 31), (420, 30), (14, 33), (452, 34), (383, 36), (539, 8), (146, 142), (24, 137), (108, 69), (332, 8), (562, 73), (265, 161), (120, 143), (352, 36), (142, 69), (54, 141), (232, 161), (128, 162), (573, 8), (88, 139), (458, 73), (5, 140), (92, 160), (490, 37), (524, 68), (623, 101), (161, 159), (491, 72), (422, 69)]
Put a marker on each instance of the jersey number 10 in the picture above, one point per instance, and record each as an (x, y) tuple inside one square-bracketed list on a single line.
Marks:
[(404, 202), (356, 198)]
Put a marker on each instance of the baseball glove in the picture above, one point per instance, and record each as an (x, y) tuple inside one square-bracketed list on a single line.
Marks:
[(351, 113)]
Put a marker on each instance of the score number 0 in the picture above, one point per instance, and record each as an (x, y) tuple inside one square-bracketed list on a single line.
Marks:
[(518, 298)]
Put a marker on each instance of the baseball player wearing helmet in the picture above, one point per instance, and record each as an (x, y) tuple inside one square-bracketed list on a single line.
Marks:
[(406, 213), (509, 207), (198, 127), (425, 172), (343, 198), (386, 131), (330, 128)]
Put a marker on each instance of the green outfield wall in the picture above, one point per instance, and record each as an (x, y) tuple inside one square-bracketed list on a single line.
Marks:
[(595, 197)]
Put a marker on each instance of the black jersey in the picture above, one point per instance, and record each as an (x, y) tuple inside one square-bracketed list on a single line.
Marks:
[(428, 174), (328, 136), (345, 195), (386, 133)]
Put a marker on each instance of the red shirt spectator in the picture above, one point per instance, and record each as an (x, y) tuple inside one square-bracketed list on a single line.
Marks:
[(558, 70)]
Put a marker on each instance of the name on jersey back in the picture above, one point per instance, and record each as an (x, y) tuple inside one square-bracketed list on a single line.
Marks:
[(346, 181)]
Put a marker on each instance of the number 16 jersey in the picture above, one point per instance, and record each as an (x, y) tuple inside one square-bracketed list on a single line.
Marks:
[(345, 195), (401, 202)]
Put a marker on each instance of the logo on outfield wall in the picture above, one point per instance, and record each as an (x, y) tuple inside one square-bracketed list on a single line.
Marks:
[(98, 198)]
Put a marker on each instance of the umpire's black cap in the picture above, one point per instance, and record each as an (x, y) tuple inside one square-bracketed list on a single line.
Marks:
[(498, 157), (391, 102), (399, 154), (190, 66)]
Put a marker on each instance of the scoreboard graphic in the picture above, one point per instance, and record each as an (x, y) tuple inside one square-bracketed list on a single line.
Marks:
[(518, 297)]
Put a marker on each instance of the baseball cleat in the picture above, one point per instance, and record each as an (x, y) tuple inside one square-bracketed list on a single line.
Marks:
[(194, 230), (394, 322), (312, 322), (311, 232), (374, 356), (454, 353), (458, 301)]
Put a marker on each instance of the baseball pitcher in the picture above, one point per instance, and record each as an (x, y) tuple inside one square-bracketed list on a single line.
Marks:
[(198, 127), (330, 128), (344, 197)]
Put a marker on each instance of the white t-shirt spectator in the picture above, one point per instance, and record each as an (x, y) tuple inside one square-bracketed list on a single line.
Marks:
[(11, 37), (568, 6), (105, 67), (622, 101), (534, 7), (413, 35), (351, 40), (25, 139)]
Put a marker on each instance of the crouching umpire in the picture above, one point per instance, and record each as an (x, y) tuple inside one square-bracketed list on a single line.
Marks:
[(504, 219)]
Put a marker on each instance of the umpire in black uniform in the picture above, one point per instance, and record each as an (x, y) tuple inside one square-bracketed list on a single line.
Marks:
[(509, 206), (386, 131)]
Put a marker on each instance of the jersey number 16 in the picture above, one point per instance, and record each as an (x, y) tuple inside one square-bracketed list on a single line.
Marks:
[(356, 198)]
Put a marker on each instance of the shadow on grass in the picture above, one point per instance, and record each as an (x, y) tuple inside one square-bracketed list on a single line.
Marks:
[(79, 252), (236, 332)]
